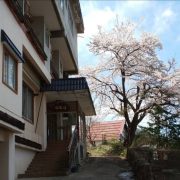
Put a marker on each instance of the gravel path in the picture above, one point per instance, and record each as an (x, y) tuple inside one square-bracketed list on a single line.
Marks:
[(98, 168)]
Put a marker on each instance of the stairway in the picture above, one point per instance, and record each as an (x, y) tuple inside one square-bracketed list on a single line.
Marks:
[(52, 162)]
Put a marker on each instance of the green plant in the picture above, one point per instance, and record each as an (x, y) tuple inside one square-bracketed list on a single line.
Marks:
[(110, 148)]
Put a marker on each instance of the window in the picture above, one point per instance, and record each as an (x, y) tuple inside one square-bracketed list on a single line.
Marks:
[(71, 22), (27, 103), (20, 3), (9, 71)]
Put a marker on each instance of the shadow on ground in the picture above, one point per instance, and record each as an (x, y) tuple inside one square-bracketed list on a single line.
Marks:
[(99, 168)]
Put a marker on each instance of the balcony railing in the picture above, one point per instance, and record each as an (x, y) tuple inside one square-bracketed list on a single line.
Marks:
[(68, 22), (22, 9)]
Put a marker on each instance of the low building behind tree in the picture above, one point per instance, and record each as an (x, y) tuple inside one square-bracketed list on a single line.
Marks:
[(102, 132)]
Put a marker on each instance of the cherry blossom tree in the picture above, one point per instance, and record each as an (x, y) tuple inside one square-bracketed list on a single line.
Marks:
[(129, 77)]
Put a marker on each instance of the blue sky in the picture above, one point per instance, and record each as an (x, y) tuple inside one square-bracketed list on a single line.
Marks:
[(159, 17)]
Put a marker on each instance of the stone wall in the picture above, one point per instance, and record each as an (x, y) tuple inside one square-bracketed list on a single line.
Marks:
[(140, 160), (154, 165)]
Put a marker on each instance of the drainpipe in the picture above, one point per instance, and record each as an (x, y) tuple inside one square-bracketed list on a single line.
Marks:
[(39, 112)]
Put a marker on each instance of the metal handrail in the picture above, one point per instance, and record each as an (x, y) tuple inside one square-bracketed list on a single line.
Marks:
[(72, 148), (72, 138)]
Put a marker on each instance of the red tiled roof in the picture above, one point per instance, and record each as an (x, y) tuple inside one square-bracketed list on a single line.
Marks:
[(108, 130)]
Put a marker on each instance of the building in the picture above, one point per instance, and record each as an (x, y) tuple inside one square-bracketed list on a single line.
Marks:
[(42, 110), (100, 132)]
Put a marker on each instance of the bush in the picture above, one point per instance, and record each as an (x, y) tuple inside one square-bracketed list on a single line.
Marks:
[(110, 148)]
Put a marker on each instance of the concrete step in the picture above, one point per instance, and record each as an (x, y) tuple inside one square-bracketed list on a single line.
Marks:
[(52, 162), (41, 173)]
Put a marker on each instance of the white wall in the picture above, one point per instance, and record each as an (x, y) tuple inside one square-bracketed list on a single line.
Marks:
[(7, 157), (23, 158), (8, 98), (38, 130), (10, 102)]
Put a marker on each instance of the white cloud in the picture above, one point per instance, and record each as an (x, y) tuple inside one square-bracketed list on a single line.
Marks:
[(157, 19), (93, 17), (163, 20), (136, 5), (97, 17), (167, 13)]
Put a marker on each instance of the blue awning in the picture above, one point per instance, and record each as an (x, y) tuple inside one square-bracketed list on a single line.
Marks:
[(69, 84), (10, 45), (71, 89)]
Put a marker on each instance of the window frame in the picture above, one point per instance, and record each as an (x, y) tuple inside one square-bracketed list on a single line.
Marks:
[(25, 117), (7, 52), (47, 38)]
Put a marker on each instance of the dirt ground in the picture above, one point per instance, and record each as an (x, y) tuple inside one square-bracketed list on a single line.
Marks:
[(98, 168)]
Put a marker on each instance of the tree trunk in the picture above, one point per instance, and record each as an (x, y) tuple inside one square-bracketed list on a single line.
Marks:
[(130, 135)]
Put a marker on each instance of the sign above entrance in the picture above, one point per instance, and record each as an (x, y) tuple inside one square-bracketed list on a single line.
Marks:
[(61, 107), (57, 106)]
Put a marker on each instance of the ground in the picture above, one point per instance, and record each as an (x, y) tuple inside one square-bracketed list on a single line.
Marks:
[(104, 168)]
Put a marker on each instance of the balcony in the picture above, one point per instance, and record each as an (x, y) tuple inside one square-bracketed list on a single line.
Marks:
[(63, 23), (22, 11), (66, 39)]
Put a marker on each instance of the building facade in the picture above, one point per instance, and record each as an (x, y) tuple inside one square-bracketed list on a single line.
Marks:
[(103, 131), (40, 106)]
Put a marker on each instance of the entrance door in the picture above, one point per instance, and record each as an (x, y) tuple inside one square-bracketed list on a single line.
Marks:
[(58, 127), (66, 126), (51, 127)]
